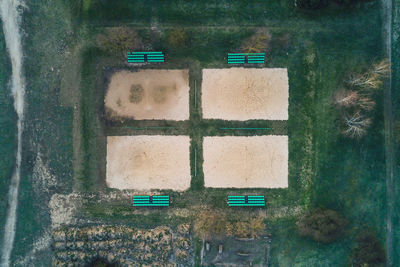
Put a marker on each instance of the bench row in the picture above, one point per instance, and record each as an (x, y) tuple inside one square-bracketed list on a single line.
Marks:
[(233, 58), (164, 201)]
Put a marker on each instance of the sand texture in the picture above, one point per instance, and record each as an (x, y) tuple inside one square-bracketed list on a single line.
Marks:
[(246, 162), (148, 162), (149, 94), (245, 94)]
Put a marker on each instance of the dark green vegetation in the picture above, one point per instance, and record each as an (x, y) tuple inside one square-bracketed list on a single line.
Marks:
[(368, 250), (325, 170), (321, 225)]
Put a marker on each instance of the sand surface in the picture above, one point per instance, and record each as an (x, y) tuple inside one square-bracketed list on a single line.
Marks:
[(148, 162), (149, 94), (245, 94), (246, 162)]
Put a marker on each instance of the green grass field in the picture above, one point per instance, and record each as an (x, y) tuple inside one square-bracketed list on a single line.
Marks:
[(325, 169)]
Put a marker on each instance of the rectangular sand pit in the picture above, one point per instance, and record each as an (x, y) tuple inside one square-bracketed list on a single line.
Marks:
[(148, 162), (246, 162), (245, 94), (148, 94)]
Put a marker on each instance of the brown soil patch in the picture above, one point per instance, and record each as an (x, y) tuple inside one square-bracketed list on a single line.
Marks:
[(246, 162), (148, 162), (149, 94), (245, 94)]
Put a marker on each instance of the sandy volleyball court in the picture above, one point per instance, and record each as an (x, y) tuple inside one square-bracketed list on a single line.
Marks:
[(149, 94), (246, 162), (245, 94), (148, 162)]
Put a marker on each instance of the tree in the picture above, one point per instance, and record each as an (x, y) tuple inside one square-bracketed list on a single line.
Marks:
[(366, 81), (346, 98), (322, 225), (119, 40), (356, 125), (382, 68), (257, 43), (368, 251)]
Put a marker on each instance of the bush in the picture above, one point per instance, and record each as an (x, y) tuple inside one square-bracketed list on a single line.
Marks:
[(119, 40), (178, 38), (257, 43), (368, 251), (322, 225)]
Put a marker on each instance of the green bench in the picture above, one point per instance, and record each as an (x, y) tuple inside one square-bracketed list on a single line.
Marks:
[(242, 58), (150, 201), (246, 201), (142, 57)]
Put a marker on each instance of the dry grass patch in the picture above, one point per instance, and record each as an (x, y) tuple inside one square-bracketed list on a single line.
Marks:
[(246, 162), (149, 94), (245, 94), (148, 162)]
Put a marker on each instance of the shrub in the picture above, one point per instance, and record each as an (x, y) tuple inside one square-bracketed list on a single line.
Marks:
[(322, 225)]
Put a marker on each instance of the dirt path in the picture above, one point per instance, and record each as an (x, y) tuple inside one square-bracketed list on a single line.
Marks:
[(11, 16), (387, 32)]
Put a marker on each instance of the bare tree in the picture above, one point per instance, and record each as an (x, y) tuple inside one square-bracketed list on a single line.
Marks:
[(366, 103), (356, 125), (346, 98), (382, 68), (365, 81)]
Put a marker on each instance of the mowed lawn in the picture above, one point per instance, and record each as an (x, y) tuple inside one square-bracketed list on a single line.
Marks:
[(325, 168)]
